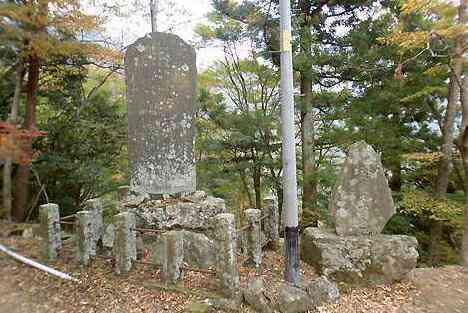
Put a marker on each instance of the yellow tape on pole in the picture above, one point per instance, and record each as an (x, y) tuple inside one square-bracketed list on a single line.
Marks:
[(286, 41)]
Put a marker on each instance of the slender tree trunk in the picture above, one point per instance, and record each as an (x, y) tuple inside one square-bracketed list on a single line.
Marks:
[(8, 166), (308, 149), (307, 126), (154, 15), (245, 185), (463, 144), (257, 187), (22, 176), (447, 131)]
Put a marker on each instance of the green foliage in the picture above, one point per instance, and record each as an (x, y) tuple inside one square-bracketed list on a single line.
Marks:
[(421, 204), (82, 155)]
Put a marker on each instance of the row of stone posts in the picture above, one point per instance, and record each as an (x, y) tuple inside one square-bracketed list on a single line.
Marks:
[(90, 228)]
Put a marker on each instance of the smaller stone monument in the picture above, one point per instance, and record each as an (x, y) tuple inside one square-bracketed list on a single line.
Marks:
[(356, 252)]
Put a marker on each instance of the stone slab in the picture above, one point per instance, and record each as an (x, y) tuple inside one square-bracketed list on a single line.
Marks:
[(161, 96)]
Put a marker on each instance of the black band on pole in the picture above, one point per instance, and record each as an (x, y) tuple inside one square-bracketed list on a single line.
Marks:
[(291, 247)]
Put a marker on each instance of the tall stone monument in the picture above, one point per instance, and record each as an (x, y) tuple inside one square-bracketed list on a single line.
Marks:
[(161, 81)]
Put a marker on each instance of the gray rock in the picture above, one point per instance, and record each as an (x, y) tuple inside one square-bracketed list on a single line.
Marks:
[(359, 259), (109, 236), (198, 250), (323, 291), (361, 202), (294, 300), (180, 215), (393, 257), (257, 298), (161, 95)]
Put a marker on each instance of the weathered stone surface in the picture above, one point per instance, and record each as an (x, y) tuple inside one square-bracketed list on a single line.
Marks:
[(161, 95), (214, 305), (225, 251), (257, 298), (125, 242), (254, 238), (198, 250), (49, 218), (359, 259), (123, 193), (94, 207), (196, 215), (323, 291), (109, 236), (393, 257), (173, 256), (270, 224), (294, 300), (361, 202), (84, 230)]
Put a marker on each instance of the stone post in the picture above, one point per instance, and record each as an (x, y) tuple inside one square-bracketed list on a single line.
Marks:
[(125, 242), (225, 249), (254, 238), (271, 221), (49, 218), (84, 230), (94, 207), (173, 256), (123, 193)]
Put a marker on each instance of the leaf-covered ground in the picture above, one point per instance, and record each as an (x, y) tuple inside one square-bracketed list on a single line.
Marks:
[(27, 290)]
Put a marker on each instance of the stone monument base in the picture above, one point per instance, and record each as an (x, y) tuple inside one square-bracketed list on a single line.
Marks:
[(191, 214), (359, 260)]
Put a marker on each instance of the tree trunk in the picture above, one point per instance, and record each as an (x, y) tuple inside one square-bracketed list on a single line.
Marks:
[(448, 127), (463, 144), (22, 176), (154, 15), (308, 152), (245, 185), (257, 187), (8, 166), (307, 126)]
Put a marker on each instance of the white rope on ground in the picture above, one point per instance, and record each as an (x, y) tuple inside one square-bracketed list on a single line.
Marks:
[(37, 265)]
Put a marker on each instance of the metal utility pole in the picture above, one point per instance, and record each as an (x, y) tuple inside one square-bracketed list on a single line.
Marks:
[(154, 15), (290, 209)]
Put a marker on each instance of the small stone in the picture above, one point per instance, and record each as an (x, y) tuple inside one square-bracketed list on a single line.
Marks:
[(256, 297), (294, 300), (109, 236), (323, 291)]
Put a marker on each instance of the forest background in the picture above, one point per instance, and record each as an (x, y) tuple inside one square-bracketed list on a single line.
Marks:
[(392, 73)]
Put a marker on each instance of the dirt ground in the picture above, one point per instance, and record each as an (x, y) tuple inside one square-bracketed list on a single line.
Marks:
[(27, 290)]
